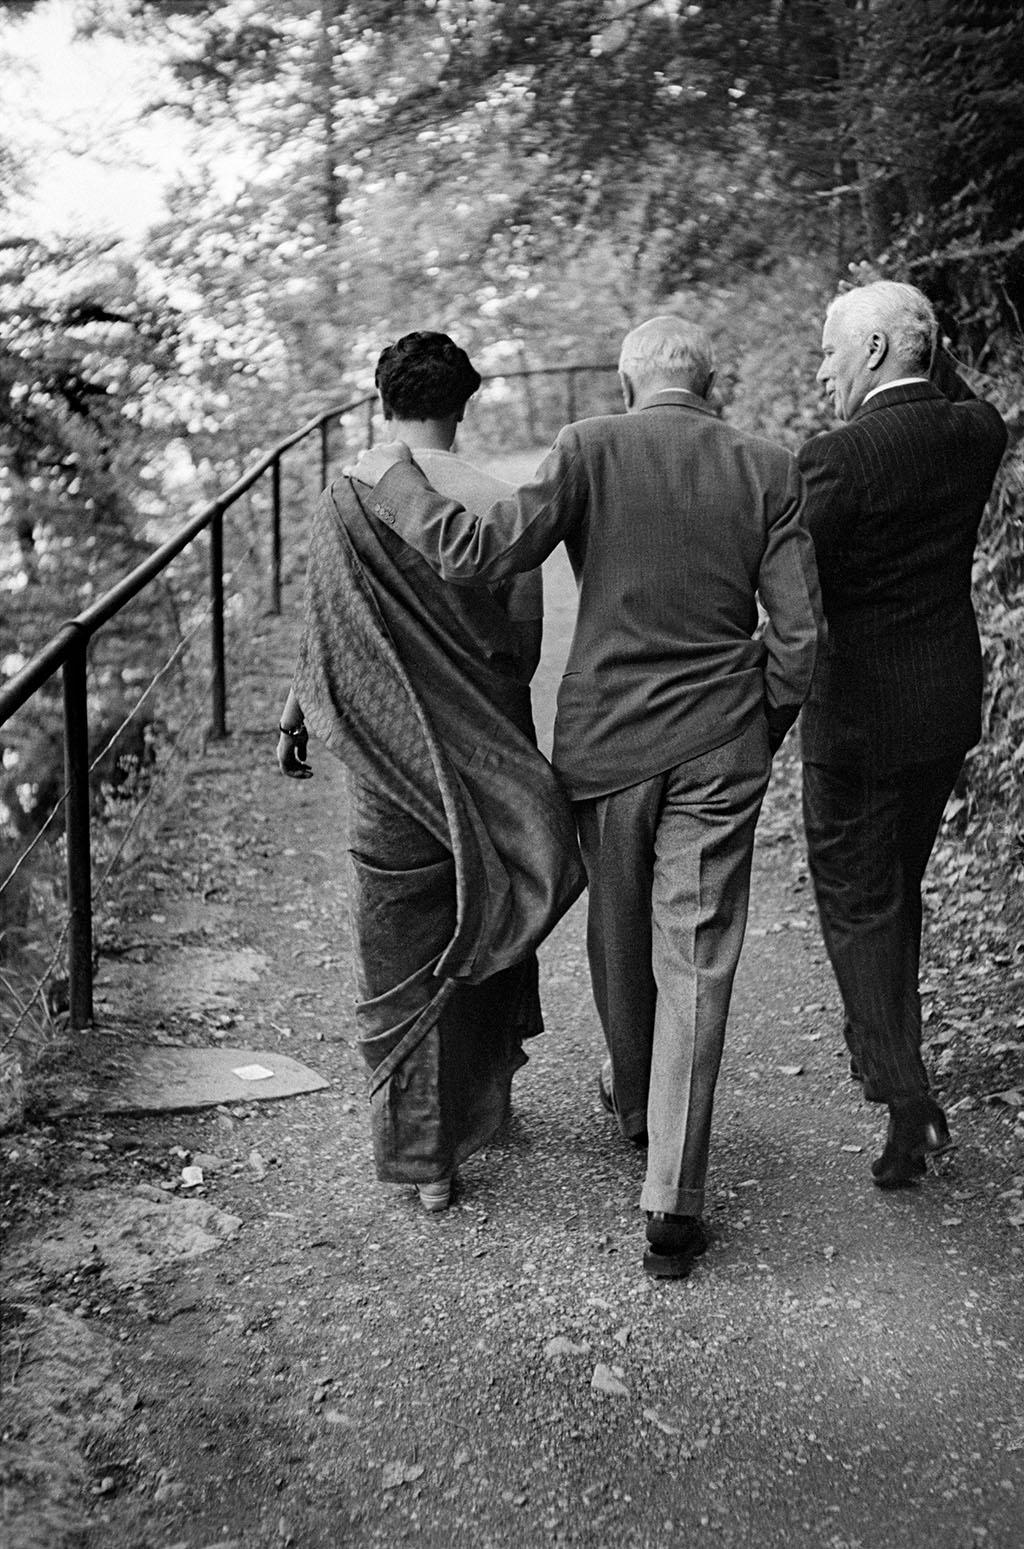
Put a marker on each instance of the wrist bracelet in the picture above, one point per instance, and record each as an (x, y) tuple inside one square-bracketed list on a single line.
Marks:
[(296, 731)]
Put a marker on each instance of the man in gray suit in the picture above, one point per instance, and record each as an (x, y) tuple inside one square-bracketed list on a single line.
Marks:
[(668, 713), (895, 495)]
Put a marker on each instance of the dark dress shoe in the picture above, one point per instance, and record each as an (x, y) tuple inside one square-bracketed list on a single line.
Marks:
[(673, 1242), (917, 1129), (604, 1089)]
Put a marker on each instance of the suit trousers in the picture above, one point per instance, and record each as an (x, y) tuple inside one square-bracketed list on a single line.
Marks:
[(869, 835), (668, 869)]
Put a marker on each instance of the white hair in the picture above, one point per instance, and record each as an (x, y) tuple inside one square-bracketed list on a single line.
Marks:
[(668, 347), (902, 312)]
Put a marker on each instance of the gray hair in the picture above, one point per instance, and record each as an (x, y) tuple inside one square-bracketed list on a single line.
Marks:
[(902, 312), (667, 347)]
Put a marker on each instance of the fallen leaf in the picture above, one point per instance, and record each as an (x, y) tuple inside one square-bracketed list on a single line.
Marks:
[(1011, 1098), (790, 1070), (663, 1425)]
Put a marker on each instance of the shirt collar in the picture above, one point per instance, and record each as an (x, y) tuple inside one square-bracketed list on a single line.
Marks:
[(677, 398), (900, 381)]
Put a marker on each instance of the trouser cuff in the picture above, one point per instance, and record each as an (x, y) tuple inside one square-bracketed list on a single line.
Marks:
[(672, 1202)]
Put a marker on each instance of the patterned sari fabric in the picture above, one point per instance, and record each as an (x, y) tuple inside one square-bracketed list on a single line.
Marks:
[(462, 843)]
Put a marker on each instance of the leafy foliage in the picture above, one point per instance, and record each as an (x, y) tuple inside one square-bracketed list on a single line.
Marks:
[(84, 357)]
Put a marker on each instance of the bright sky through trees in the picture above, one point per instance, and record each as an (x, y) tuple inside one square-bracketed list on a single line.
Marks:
[(73, 107)]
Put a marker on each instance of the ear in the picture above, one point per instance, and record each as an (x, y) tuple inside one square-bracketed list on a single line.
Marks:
[(709, 384), (878, 348), (628, 390)]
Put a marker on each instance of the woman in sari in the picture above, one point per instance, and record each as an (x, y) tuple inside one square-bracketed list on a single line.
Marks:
[(462, 846)]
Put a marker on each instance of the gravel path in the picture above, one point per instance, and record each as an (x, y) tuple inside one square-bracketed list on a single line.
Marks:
[(843, 1369)]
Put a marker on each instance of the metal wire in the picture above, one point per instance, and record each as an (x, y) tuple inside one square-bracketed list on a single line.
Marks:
[(59, 803)]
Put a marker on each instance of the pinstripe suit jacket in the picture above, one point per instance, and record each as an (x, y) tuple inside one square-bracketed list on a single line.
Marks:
[(894, 500)]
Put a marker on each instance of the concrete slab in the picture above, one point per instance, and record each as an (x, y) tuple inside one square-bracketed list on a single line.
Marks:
[(151, 1078)]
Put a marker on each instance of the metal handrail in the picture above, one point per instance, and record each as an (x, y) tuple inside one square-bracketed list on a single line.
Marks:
[(67, 651), (57, 650)]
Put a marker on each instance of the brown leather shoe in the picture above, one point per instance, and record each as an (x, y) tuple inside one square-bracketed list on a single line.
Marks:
[(917, 1129), (673, 1242)]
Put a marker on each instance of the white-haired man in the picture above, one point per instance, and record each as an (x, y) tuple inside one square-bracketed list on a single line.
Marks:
[(667, 714), (894, 499)]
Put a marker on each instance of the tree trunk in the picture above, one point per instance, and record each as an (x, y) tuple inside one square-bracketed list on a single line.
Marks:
[(325, 91)]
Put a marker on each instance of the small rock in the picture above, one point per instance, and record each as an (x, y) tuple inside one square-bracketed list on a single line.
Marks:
[(604, 1380), (191, 1177), (400, 1473), (562, 1346)]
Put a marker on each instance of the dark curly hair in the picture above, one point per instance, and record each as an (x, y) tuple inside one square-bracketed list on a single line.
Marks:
[(425, 376)]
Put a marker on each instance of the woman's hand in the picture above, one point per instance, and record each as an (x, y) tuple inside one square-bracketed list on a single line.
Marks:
[(291, 754)]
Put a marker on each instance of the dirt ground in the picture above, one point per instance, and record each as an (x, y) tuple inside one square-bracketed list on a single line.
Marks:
[(291, 1353)]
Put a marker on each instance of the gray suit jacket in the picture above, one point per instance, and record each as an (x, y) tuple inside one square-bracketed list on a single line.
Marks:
[(894, 500), (674, 522)]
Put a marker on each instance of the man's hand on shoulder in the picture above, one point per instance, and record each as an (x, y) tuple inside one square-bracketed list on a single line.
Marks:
[(373, 464)]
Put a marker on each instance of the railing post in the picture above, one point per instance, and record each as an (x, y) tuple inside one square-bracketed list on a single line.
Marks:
[(570, 397), (275, 536), (324, 457), (219, 680), (369, 422), (79, 862)]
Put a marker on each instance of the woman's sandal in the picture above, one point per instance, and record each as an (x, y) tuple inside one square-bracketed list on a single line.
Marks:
[(435, 1196)]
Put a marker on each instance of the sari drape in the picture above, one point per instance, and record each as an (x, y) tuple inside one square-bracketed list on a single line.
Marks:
[(462, 843)]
